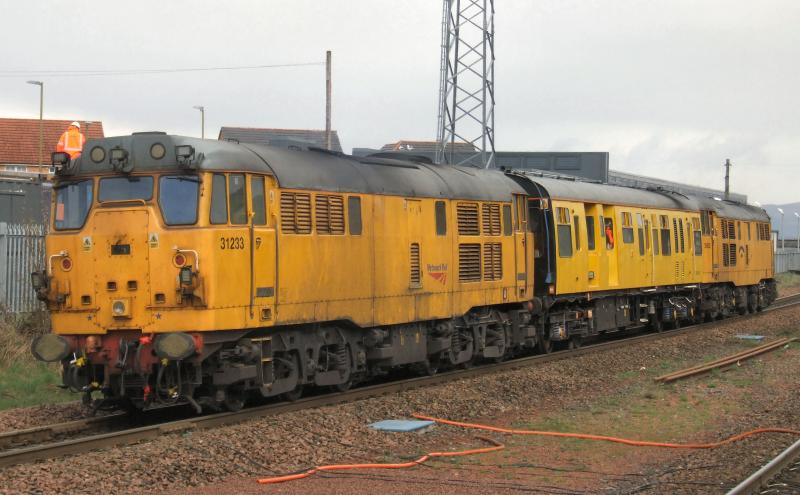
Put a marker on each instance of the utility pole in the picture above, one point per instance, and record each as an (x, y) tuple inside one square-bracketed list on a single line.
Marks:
[(41, 120), (780, 231), (328, 99), (202, 120), (727, 179), (466, 93), (798, 231)]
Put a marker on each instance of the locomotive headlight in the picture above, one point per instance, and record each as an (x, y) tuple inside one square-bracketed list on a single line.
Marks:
[(50, 348), (174, 346), (120, 308)]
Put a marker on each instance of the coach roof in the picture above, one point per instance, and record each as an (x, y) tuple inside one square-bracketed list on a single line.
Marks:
[(313, 169)]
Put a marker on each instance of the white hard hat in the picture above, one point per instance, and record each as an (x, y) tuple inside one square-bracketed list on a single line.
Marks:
[(76, 124)]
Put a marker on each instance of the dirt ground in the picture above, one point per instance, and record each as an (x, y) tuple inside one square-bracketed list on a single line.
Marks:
[(758, 393)]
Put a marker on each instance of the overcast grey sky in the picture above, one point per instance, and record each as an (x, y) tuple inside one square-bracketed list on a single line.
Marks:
[(671, 88)]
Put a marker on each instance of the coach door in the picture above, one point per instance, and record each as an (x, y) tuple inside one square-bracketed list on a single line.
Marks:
[(521, 244)]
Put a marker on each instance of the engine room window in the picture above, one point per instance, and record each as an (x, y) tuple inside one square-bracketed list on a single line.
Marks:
[(259, 205), (640, 231), (576, 219), (177, 197), (655, 242), (125, 188), (219, 201), (590, 233), (666, 249), (236, 198), (441, 218), (354, 214), (506, 219), (73, 202), (698, 243)]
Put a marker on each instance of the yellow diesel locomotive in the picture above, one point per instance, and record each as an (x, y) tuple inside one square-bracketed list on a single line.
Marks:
[(205, 272)]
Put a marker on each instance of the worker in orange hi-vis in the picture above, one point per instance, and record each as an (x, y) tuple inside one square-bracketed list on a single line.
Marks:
[(72, 141)]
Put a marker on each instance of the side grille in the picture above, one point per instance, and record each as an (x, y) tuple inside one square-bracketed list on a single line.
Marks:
[(467, 218), (415, 278), (469, 262), (295, 213), (732, 254), (492, 261), (491, 219), (725, 255), (329, 214)]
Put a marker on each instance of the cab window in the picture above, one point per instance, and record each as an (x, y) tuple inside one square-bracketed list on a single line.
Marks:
[(590, 233), (73, 202), (125, 188), (608, 230), (177, 198), (237, 199), (219, 203), (257, 193), (564, 233)]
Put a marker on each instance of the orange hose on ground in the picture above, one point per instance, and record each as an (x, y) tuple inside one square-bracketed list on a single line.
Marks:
[(625, 441), (342, 467)]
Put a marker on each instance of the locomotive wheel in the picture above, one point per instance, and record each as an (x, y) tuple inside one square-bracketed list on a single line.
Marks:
[(544, 345), (294, 394), (234, 399), (656, 324), (428, 367), (574, 343)]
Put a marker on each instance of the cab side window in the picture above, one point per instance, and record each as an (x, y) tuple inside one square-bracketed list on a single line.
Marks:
[(259, 205), (564, 233), (236, 197), (590, 233), (219, 201)]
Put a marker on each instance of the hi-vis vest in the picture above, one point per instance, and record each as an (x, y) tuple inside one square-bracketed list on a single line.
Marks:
[(71, 142)]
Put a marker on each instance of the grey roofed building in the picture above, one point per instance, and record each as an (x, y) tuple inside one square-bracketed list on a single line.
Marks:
[(303, 138)]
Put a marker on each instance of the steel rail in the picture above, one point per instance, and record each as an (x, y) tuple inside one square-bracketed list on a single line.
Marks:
[(761, 478), (134, 435), (42, 433)]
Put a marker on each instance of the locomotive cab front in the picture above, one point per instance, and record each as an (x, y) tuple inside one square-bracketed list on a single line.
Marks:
[(139, 233)]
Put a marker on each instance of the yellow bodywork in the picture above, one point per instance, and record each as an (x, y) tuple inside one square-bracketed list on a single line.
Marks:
[(635, 261), (397, 269)]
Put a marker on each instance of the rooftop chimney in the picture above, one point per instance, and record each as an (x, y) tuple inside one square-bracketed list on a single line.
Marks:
[(727, 179)]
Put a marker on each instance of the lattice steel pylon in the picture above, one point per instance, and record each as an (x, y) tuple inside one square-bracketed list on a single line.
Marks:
[(466, 84)]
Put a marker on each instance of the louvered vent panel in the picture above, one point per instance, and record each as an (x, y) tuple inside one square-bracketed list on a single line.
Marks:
[(469, 262), (295, 213), (415, 279), (732, 255), (492, 261), (329, 214), (467, 218), (724, 229), (725, 258), (491, 219)]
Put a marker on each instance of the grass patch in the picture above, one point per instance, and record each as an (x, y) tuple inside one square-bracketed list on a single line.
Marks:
[(24, 381)]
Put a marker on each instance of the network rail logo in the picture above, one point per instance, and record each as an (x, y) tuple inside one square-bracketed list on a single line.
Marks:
[(438, 272)]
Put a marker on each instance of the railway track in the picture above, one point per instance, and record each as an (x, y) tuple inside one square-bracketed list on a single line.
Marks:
[(778, 477), (133, 435)]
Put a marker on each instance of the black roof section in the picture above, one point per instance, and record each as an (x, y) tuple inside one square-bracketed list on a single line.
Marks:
[(314, 169), (304, 138)]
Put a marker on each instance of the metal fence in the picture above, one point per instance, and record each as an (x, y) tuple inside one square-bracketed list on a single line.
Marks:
[(787, 260), (21, 252)]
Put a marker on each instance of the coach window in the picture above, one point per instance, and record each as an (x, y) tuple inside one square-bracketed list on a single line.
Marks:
[(219, 201), (354, 214), (441, 218), (627, 227), (576, 222), (655, 242), (506, 219), (640, 231), (564, 231), (258, 200), (236, 199), (590, 233), (608, 232), (666, 248)]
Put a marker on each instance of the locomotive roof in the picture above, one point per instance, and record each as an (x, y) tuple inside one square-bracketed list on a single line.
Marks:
[(313, 169), (593, 192)]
